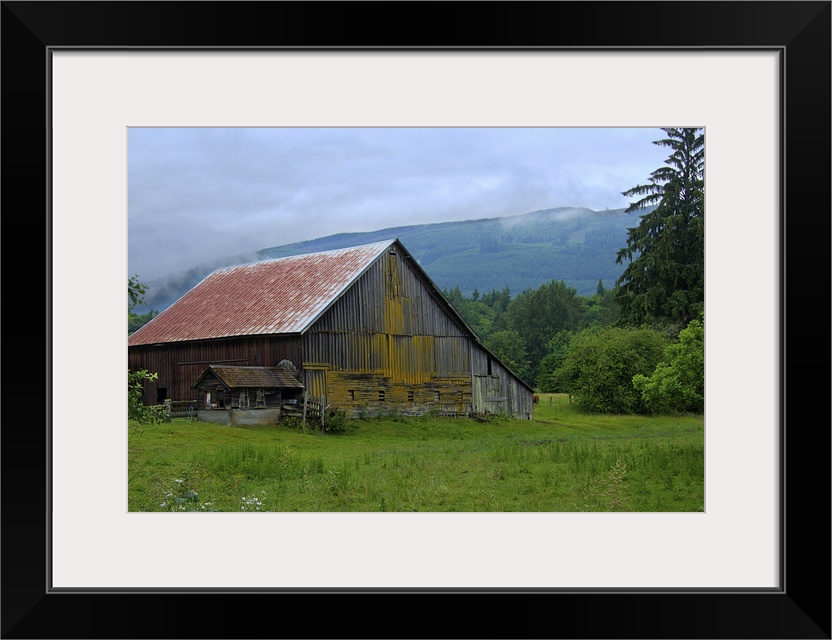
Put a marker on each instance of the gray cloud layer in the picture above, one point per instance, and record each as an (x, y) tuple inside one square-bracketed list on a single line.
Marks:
[(195, 194)]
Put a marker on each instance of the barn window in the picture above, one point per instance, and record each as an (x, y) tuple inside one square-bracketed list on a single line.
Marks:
[(351, 395), (244, 398), (410, 396), (381, 395), (261, 398), (489, 365)]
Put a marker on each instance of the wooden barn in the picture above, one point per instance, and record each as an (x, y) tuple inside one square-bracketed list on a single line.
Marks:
[(364, 330)]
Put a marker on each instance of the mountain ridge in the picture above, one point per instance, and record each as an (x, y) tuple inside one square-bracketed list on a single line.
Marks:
[(573, 244)]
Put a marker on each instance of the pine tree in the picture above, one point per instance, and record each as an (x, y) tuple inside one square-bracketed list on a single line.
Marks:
[(664, 284)]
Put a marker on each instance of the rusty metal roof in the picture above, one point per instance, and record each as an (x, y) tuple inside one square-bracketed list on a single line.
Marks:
[(284, 295), (251, 377)]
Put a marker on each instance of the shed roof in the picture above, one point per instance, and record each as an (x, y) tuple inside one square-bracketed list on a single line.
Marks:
[(250, 377), (284, 295)]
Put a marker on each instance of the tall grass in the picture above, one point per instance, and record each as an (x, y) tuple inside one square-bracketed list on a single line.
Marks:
[(561, 461)]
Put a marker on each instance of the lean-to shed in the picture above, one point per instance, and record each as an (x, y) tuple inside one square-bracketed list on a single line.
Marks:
[(365, 328), (227, 387)]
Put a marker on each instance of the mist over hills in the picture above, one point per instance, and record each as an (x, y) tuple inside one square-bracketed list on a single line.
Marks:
[(576, 245)]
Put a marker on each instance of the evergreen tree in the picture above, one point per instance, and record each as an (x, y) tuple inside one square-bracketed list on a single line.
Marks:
[(665, 280)]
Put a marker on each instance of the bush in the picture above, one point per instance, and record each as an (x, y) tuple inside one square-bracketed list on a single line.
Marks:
[(136, 409), (677, 384), (293, 422), (599, 368), (335, 421)]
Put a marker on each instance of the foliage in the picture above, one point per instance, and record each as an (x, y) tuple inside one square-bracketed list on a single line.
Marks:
[(335, 421), (136, 409), (601, 310), (548, 381), (482, 310), (135, 292), (135, 297), (510, 348), (665, 279), (293, 422), (538, 314), (599, 367), (135, 320), (677, 385), (519, 330)]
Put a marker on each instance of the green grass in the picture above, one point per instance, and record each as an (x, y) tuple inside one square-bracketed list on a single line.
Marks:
[(563, 461)]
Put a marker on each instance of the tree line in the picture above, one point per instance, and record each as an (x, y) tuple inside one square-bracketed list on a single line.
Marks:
[(639, 346)]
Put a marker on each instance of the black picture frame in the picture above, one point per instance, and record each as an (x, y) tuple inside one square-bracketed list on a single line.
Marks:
[(800, 31)]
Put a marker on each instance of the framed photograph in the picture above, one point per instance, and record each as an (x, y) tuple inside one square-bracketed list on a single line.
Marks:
[(755, 75)]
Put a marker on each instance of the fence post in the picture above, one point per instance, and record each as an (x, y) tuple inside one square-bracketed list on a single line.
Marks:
[(304, 409)]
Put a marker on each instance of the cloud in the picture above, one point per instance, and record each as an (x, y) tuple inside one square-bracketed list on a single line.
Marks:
[(196, 194)]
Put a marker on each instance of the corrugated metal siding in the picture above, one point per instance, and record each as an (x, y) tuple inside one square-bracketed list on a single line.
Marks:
[(413, 359), (273, 296), (390, 322), (391, 300), (391, 343)]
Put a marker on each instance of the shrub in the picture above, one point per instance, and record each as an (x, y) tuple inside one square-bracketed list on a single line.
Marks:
[(335, 421), (293, 422), (677, 384), (599, 368), (136, 409)]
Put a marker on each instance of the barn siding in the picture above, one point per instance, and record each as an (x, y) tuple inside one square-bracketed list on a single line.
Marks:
[(390, 343), (180, 364), (393, 300), (493, 380)]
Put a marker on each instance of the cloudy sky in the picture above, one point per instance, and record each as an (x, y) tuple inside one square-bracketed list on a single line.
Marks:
[(196, 194)]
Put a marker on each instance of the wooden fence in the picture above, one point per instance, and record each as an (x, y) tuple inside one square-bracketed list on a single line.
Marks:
[(181, 408), (311, 409)]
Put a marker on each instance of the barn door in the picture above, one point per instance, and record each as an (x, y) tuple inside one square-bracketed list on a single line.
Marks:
[(488, 396)]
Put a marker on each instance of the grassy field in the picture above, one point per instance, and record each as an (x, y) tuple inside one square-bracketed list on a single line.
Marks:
[(562, 461)]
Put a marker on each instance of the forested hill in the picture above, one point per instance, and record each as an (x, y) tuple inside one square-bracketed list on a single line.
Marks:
[(576, 245)]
